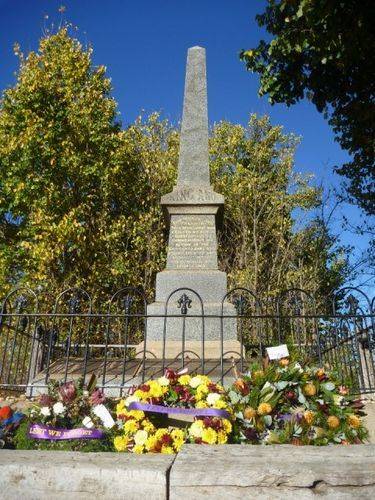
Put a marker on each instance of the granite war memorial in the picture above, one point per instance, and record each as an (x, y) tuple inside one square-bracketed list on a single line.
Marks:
[(193, 210)]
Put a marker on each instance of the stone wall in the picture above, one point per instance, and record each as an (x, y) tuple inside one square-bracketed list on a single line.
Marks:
[(197, 472)]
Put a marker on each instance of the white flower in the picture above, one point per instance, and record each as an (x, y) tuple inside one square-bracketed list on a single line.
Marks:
[(338, 400), (298, 367), (140, 437), (85, 393), (58, 408), (163, 381), (131, 399), (196, 429), (45, 411), (87, 422), (195, 382), (213, 398)]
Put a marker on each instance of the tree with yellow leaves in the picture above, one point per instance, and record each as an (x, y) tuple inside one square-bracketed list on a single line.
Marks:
[(80, 197)]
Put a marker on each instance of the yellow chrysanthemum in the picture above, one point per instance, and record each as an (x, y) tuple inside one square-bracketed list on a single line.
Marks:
[(167, 450), (137, 414), (178, 437), (121, 443), (141, 395), (222, 437), (227, 425), (120, 407), (138, 449), (131, 426), (151, 442), (184, 379), (156, 390), (202, 392), (148, 426), (209, 435), (220, 404), (160, 432), (201, 404)]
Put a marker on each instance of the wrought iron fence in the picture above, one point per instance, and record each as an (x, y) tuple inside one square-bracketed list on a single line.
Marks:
[(74, 340)]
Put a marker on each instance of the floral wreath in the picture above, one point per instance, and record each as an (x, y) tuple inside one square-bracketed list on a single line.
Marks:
[(141, 416)]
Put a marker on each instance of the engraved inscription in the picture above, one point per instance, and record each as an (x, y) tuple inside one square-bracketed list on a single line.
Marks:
[(190, 194), (192, 242)]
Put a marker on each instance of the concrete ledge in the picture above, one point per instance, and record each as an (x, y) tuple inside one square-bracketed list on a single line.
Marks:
[(237, 472), (67, 475), (197, 472)]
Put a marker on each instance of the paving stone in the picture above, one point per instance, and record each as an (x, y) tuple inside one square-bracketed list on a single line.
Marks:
[(49, 475), (268, 472)]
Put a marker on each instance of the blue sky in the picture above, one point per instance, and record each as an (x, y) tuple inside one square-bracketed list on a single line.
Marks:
[(143, 44)]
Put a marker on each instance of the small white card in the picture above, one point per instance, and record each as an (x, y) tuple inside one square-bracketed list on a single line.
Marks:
[(104, 415), (278, 351)]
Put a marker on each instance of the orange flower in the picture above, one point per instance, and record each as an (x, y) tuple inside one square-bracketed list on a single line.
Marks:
[(354, 421), (264, 409), (309, 417), (242, 386), (344, 391), (333, 422), (249, 413), (309, 389), (284, 362)]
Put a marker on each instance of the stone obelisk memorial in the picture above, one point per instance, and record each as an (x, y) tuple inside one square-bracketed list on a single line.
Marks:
[(192, 209)]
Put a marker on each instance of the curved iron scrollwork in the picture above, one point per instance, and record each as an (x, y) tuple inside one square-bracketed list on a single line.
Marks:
[(240, 303), (184, 303), (127, 302)]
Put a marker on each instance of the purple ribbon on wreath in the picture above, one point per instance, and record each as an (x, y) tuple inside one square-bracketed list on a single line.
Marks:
[(195, 412), (40, 431)]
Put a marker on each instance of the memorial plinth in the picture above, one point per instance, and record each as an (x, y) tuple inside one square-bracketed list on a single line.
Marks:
[(192, 210)]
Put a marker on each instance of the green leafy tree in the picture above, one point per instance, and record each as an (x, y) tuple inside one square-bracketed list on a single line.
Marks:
[(264, 244), (323, 50), (80, 197)]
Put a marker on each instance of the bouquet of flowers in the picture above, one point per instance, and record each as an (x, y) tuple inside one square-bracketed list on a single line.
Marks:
[(71, 416), (140, 415), (285, 403), (9, 421)]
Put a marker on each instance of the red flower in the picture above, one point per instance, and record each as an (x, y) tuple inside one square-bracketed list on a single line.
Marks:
[(68, 392), (213, 387), (214, 423), (46, 400), (171, 375), (166, 439), (5, 412), (291, 395), (144, 387), (97, 397)]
